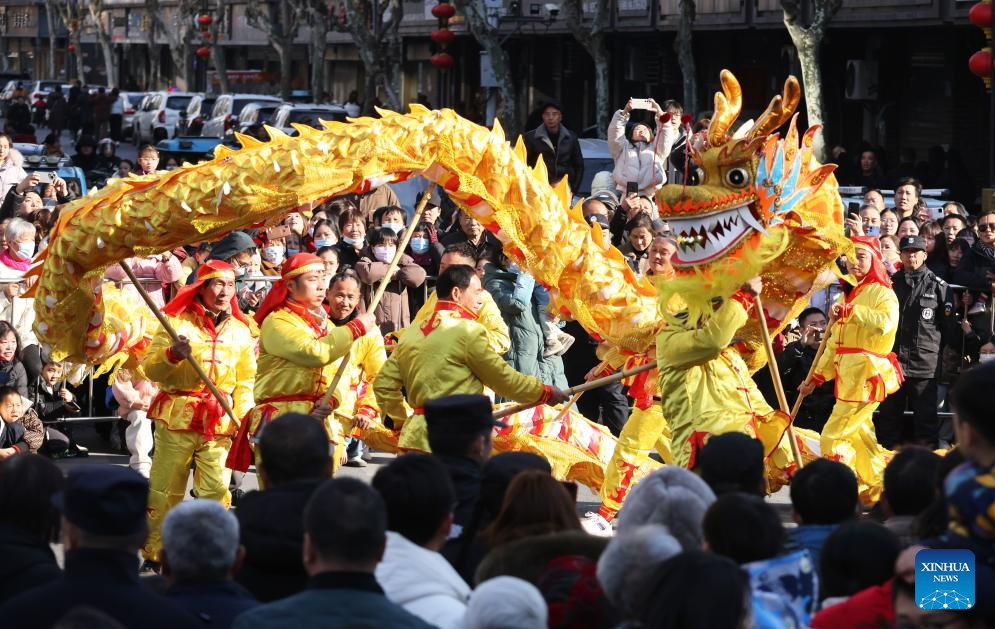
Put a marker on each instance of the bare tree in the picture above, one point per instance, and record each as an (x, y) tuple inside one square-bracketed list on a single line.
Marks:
[(95, 9), (685, 56), (217, 52), (179, 30), (808, 41), (375, 29), (72, 14), (50, 17), (317, 15), (485, 31), (592, 38), (280, 25)]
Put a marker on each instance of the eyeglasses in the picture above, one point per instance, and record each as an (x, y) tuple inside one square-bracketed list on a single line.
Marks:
[(986, 227)]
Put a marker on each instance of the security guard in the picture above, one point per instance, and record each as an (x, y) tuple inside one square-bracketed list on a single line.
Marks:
[(924, 303)]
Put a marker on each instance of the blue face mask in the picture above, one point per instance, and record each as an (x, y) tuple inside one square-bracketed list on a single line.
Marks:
[(873, 230), (323, 242), (26, 250), (292, 252), (419, 245), (350, 241)]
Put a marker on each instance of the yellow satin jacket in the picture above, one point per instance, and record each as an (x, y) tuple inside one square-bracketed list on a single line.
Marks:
[(489, 316), (227, 354), (858, 352)]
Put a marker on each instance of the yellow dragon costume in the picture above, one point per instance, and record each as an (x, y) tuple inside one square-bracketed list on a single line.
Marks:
[(765, 206)]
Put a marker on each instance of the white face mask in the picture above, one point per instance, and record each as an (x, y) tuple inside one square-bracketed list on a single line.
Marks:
[(26, 250), (397, 227), (273, 254), (384, 254), (984, 358)]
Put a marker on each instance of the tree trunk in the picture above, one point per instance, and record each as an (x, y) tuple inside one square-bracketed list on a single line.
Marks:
[(155, 67), (4, 62), (685, 56), (284, 51), (370, 88), (808, 58), (218, 52), (490, 40), (50, 16), (103, 36), (593, 41), (319, 42), (80, 70)]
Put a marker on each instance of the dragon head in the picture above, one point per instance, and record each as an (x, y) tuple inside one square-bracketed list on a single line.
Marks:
[(762, 205)]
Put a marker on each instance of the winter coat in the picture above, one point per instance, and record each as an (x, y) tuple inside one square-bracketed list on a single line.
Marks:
[(216, 602), (973, 268), (58, 109), (13, 374), (19, 311), (25, 434), (924, 303), (271, 527), (47, 401), (393, 312), (562, 160), (646, 164), (135, 394), (422, 582), (528, 557), (27, 563), (11, 172), (513, 293)]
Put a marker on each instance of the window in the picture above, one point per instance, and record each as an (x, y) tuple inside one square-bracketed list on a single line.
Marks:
[(178, 102)]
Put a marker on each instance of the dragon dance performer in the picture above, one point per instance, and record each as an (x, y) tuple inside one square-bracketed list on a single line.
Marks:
[(297, 353), (858, 356), (707, 389), (646, 429), (449, 354), (489, 315), (191, 425)]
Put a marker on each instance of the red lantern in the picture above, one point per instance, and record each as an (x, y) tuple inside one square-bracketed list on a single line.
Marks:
[(71, 48), (443, 11), (205, 20), (980, 64), (442, 60), (206, 35), (443, 36), (203, 52)]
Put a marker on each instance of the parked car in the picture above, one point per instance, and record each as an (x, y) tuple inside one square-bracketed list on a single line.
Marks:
[(159, 114), (256, 113), (224, 116), (307, 114), (132, 105), (596, 159), (192, 120), (41, 89), (10, 81)]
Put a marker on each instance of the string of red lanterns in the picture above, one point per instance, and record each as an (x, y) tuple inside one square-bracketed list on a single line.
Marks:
[(980, 62), (204, 21), (442, 36)]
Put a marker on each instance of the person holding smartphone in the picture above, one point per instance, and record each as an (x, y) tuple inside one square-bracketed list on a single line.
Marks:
[(24, 199), (640, 148)]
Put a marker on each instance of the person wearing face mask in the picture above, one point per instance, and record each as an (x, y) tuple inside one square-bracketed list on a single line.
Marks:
[(237, 249), (924, 304), (425, 248), (273, 253), (352, 226), (640, 155), (394, 311), (298, 347), (15, 260), (324, 234), (391, 217)]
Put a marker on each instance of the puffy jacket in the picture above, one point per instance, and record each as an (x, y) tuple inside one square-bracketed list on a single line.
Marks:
[(512, 293), (11, 172), (133, 394), (646, 164), (393, 312)]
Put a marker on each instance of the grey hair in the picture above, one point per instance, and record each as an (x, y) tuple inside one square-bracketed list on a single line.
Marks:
[(200, 539), (18, 227), (630, 560), (671, 496), (506, 603)]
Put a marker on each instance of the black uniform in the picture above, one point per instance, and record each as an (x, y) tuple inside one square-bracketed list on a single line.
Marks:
[(924, 304)]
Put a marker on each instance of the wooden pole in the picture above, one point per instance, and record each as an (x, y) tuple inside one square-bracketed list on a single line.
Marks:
[(775, 375), (176, 339), (580, 388), (378, 295)]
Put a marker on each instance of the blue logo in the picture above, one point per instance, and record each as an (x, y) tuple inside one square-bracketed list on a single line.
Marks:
[(945, 579)]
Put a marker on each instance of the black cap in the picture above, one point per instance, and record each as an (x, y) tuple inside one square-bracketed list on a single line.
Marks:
[(463, 413), (551, 103), (104, 499), (912, 243), (607, 197), (434, 200), (731, 456), (231, 245)]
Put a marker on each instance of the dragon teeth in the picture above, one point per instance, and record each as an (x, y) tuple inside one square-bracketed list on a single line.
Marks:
[(702, 238)]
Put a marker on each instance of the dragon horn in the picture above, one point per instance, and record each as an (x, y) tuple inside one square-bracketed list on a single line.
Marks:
[(728, 104), (779, 111)]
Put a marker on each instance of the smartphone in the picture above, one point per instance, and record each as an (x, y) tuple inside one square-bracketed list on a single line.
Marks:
[(853, 208), (632, 187), (45, 176), (278, 231), (642, 103)]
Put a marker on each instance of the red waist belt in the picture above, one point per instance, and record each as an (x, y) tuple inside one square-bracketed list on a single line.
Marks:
[(207, 412), (419, 410), (890, 357), (240, 455)]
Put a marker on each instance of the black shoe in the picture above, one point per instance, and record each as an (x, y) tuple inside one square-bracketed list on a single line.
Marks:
[(150, 567)]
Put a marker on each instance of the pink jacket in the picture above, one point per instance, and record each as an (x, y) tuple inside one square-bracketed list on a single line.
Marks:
[(150, 268), (133, 394)]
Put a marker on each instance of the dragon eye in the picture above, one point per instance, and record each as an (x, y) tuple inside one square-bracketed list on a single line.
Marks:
[(697, 177), (737, 177)]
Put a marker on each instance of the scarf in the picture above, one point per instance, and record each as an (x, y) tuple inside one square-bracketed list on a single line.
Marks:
[(9, 261)]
